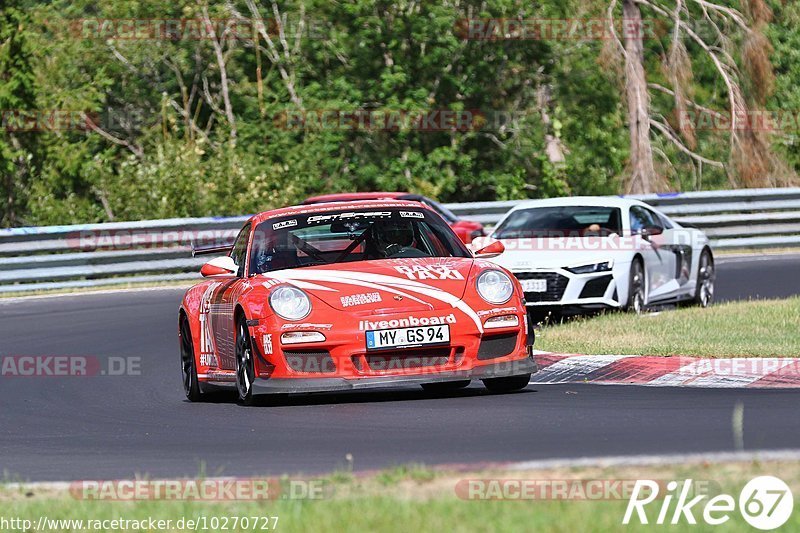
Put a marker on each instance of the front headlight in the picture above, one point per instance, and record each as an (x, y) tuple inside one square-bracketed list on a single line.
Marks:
[(494, 287), (290, 303), (605, 266)]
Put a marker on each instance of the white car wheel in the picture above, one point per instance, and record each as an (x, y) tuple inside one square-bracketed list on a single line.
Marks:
[(704, 293), (636, 288)]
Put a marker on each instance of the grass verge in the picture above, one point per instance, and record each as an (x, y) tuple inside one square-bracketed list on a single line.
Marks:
[(759, 328), (403, 499)]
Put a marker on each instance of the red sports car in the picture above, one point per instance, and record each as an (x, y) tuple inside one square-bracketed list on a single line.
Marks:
[(467, 230), (348, 296)]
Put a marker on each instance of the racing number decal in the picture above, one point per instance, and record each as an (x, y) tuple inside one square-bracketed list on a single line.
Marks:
[(217, 342)]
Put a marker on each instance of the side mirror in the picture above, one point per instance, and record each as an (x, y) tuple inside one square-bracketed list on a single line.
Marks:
[(219, 267), (492, 250), (479, 242), (651, 231)]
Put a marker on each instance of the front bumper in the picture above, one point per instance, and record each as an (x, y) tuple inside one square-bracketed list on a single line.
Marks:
[(292, 385), (565, 289)]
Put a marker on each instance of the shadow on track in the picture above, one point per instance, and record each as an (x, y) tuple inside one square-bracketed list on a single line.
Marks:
[(351, 397)]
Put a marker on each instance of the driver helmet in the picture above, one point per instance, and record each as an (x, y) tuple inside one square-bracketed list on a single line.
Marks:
[(395, 232)]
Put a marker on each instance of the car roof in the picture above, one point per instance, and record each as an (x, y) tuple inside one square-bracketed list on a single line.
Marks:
[(591, 201), (334, 206), (347, 196)]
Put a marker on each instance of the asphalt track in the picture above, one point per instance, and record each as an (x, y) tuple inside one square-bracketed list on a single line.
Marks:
[(109, 427)]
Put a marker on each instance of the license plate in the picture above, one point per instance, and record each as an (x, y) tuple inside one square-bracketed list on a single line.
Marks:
[(534, 285), (383, 339)]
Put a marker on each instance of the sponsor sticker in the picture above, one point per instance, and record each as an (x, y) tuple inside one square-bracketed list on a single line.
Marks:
[(361, 299), (317, 219), (420, 272), (307, 325), (496, 311), (268, 344), (411, 214), (409, 322), (284, 224)]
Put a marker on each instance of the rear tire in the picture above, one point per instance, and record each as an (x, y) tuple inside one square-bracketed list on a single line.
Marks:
[(446, 386), (706, 274), (191, 385), (636, 288), (245, 371), (510, 384)]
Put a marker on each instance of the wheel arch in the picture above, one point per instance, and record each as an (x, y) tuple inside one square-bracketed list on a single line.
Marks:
[(707, 248), (184, 315)]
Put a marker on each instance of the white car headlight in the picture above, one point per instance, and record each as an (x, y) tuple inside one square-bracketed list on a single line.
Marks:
[(605, 266), (494, 287), (290, 303)]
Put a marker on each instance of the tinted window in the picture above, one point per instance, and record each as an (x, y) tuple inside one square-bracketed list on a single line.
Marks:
[(663, 221), (642, 218), (561, 221), (333, 237), (239, 250)]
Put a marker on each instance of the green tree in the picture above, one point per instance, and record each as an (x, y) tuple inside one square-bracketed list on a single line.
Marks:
[(17, 98)]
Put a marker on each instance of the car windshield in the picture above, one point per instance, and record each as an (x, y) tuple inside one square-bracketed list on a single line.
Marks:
[(561, 221), (343, 236)]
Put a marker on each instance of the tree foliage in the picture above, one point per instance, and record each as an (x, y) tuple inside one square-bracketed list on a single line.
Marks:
[(228, 122)]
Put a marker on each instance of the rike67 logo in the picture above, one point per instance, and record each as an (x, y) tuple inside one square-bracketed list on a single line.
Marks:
[(765, 502)]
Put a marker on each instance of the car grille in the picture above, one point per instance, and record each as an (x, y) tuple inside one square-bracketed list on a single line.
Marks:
[(319, 362), (497, 346), (407, 359), (596, 288), (556, 285)]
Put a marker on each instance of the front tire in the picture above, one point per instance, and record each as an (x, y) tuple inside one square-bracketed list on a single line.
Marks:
[(636, 288), (245, 371), (191, 385), (706, 274), (510, 384)]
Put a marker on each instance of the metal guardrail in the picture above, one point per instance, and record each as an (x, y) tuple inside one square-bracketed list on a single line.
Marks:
[(88, 255)]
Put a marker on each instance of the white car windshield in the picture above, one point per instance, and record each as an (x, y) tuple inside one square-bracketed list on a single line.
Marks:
[(561, 221)]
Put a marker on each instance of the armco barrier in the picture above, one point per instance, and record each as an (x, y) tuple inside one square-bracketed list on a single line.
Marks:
[(87, 255)]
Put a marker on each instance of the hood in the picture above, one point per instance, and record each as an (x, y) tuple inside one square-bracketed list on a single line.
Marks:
[(385, 286), (529, 254)]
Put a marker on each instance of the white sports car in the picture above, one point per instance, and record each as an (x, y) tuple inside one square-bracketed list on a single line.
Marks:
[(573, 254)]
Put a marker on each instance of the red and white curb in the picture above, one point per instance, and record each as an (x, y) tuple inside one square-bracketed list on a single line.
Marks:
[(755, 372)]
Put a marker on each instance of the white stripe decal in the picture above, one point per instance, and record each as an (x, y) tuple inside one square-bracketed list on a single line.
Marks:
[(382, 281), (360, 283), (311, 286)]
